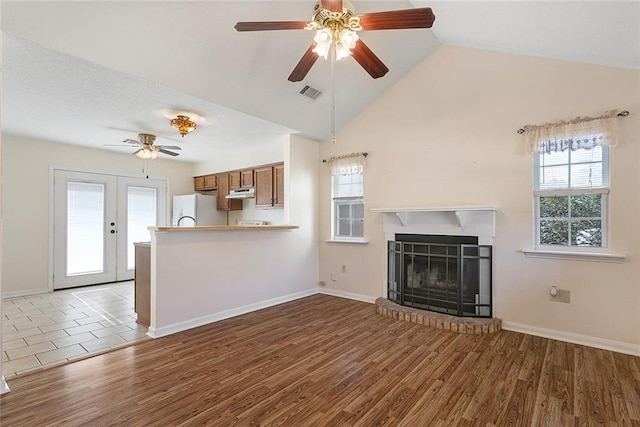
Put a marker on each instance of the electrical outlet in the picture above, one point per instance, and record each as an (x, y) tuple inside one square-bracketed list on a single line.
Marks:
[(322, 283), (564, 295), (560, 295), (334, 277)]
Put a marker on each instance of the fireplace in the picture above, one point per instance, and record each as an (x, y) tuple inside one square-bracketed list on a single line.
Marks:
[(448, 274)]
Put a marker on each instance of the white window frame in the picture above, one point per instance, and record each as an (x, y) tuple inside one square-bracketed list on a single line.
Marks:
[(335, 202), (565, 192)]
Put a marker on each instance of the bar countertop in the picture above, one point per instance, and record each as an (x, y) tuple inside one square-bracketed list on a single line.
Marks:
[(224, 228)]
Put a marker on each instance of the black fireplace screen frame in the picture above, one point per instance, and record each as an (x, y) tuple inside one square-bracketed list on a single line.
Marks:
[(453, 279)]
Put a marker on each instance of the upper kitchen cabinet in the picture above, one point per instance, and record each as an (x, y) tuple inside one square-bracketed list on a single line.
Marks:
[(224, 204), (234, 180), (269, 185), (198, 183), (205, 183), (246, 178), (278, 185)]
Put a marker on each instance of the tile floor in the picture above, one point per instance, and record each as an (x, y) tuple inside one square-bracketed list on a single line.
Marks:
[(44, 329)]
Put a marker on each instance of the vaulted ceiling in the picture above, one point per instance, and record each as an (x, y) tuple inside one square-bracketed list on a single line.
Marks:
[(97, 72)]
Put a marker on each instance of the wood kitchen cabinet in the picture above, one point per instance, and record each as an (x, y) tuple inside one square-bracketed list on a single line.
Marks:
[(205, 183), (278, 185), (210, 182), (224, 204), (246, 178), (198, 183), (269, 185), (234, 180)]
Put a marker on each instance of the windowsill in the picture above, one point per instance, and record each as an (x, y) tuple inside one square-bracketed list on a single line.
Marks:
[(573, 255), (348, 241)]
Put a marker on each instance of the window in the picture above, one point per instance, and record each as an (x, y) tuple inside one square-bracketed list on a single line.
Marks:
[(571, 178), (347, 202)]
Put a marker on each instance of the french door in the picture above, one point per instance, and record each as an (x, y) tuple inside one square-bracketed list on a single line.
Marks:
[(96, 220)]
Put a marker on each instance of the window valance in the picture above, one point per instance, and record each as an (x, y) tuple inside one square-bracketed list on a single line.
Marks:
[(579, 133), (347, 164)]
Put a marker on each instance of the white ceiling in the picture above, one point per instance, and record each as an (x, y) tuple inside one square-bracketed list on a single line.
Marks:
[(98, 72)]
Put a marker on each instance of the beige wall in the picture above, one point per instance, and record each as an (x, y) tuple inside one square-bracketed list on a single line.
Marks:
[(446, 135), (25, 200)]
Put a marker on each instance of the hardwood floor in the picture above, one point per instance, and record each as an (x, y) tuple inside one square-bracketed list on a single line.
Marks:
[(323, 360)]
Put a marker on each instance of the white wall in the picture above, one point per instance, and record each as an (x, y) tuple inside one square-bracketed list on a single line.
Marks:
[(446, 135), (25, 200), (271, 151), (4, 388), (199, 277)]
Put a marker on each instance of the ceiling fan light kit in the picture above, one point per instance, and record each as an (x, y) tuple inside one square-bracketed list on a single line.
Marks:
[(146, 153), (183, 124)]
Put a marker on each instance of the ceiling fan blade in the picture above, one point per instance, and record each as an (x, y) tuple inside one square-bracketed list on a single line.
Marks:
[(368, 60), (137, 151), (306, 62), (332, 5), (171, 147), (270, 25), (398, 19), (171, 153), (131, 141)]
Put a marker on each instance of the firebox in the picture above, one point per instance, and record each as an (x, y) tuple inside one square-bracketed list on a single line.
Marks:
[(446, 274)]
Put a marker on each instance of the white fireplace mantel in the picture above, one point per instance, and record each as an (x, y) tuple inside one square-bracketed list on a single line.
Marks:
[(477, 221)]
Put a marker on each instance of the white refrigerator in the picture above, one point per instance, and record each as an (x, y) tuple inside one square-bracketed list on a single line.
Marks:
[(190, 210)]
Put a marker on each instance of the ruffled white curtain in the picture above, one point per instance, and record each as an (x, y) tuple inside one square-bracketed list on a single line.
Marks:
[(579, 133), (347, 164)]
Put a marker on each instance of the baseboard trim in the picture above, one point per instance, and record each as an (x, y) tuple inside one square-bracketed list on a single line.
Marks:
[(215, 317), (13, 294), (4, 387), (348, 295), (602, 343)]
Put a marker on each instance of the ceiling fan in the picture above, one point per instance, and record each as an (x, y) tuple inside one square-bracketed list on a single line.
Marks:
[(336, 24), (147, 150)]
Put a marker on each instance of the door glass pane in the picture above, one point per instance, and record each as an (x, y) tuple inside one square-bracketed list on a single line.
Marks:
[(85, 228), (141, 213)]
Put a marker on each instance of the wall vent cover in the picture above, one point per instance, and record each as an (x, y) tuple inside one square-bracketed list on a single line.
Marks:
[(310, 92)]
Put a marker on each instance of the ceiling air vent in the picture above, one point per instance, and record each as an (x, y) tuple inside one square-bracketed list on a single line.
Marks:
[(310, 92)]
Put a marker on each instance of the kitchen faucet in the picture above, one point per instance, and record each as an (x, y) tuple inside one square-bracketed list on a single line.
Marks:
[(183, 217)]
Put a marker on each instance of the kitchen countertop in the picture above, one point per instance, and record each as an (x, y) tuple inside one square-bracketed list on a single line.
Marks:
[(225, 228)]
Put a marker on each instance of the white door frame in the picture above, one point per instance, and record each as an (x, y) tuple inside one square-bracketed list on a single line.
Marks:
[(52, 169)]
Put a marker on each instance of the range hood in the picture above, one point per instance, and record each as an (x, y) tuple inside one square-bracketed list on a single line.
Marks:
[(242, 193)]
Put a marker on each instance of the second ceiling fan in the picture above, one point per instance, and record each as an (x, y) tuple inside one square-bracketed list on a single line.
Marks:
[(336, 24)]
